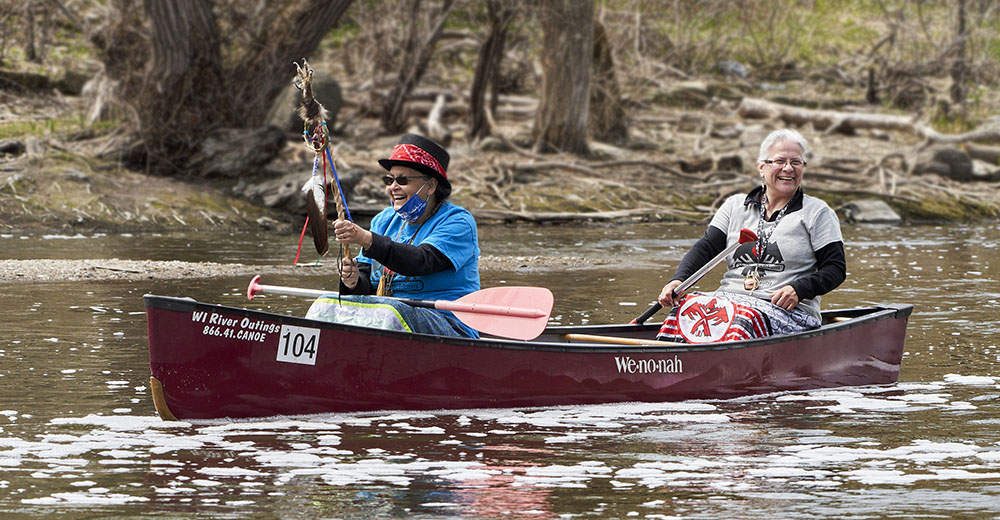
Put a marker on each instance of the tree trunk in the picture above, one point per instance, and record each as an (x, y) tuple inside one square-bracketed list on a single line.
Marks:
[(567, 49), (501, 13), (259, 77), (30, 53), (189, 91), (607, 112), (958, 66), (184, 92), (416, 55)]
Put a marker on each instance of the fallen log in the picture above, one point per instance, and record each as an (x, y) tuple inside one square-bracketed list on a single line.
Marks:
[(990, 154), (847, 122), (598, 216), (823, 120)]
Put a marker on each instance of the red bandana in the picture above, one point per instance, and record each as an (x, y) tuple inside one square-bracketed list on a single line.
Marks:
[(411, 153)]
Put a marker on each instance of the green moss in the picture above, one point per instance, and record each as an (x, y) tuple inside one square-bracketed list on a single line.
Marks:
[(941, 209), (61, 125)]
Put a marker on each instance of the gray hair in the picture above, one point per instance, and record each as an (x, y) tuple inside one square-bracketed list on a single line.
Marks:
[(784, 134)]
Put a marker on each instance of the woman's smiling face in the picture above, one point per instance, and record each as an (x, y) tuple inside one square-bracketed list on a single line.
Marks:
[(399, 194), (783, 181)]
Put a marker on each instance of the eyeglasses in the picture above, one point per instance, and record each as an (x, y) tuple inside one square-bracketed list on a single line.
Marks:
[(402, 180), (780, 163)]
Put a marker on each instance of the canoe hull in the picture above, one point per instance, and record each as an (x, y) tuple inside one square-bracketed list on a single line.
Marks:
[(211, 361)]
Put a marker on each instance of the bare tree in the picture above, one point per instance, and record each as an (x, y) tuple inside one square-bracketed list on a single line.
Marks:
[(30, 51), (185, 85), (607, 120), (566, 53), (417, 51), (500, 14), (207, 79), (958, 61)]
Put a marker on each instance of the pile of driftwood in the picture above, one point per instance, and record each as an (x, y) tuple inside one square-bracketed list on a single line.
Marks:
[(896, 159)]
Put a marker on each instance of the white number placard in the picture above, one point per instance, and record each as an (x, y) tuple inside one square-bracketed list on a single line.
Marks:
[(298, 345)]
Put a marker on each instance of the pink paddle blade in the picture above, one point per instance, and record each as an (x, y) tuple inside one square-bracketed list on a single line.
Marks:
[(511, 312)]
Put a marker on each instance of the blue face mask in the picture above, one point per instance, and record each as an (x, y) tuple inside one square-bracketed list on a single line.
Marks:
[(413, 208)]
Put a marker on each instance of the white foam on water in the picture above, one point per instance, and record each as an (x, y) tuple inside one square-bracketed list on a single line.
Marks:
[(270, 427), (897, 477), (278, 451), (63, 237), (205, 482), (120, 454), (328, 440), (103, 499), (231, 472), (121, 423), (969, 380), (174, 490), (371, 471)]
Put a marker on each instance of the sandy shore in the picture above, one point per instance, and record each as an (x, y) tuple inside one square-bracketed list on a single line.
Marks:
[(46, 270)]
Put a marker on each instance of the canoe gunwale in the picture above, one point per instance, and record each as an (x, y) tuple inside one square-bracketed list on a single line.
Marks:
[(859, 316)]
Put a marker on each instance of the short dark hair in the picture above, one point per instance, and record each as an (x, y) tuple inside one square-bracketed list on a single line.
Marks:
[(442, 192)]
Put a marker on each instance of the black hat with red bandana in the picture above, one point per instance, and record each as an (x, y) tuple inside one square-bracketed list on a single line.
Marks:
[(421, 154)]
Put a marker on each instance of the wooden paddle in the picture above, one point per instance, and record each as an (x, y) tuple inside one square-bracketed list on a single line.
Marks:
[(746, 235), (508, 312)]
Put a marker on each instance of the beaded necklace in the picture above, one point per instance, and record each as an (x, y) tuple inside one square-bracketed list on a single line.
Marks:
[(752, 280)]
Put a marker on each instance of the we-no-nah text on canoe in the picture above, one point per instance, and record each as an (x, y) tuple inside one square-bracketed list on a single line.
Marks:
[(649, 366)]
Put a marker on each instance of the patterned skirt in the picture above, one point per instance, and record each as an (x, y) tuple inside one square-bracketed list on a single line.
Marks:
[(726, 316)]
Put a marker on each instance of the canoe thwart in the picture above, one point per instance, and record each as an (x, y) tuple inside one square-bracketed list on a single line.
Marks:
[(620, 340)]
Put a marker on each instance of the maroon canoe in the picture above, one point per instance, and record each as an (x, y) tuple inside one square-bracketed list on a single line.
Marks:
[(212, 361)]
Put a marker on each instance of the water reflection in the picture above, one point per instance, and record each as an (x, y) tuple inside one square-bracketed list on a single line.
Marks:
[(78, 435)]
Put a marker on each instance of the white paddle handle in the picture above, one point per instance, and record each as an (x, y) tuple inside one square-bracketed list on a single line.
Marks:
[(256, 288)]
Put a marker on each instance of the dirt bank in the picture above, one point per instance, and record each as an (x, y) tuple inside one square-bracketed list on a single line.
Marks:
[(43, 270)]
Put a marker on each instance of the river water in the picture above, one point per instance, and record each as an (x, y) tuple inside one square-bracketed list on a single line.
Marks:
[(79, 437)]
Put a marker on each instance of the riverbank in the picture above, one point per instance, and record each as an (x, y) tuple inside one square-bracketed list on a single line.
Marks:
[(108, 269), (59, 186), (679, 164)]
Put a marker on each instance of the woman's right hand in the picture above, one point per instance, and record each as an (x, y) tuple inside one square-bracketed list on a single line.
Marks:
[(666, 298), (347, 232), (349, 272)]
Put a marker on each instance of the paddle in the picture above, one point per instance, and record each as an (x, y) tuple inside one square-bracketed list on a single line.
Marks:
[(508, 312), (745, 236)]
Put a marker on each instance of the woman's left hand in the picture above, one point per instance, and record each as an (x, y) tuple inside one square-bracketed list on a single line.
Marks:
[(786, 298)]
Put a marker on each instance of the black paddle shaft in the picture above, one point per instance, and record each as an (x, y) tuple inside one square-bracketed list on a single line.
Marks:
[(653, 309)]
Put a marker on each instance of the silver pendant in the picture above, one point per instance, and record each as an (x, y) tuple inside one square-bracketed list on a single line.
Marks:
[(751, 282)]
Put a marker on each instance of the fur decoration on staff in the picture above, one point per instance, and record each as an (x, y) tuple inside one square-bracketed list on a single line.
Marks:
[(314, 116)]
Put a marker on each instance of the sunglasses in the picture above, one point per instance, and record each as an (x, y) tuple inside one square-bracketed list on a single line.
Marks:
[(402, 180)]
